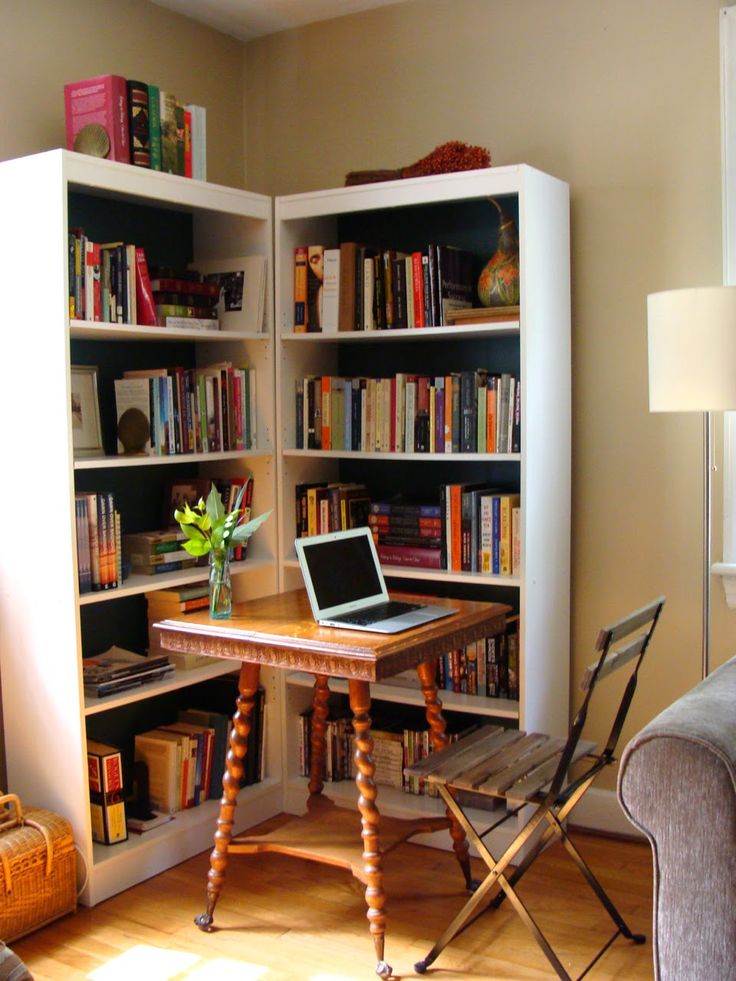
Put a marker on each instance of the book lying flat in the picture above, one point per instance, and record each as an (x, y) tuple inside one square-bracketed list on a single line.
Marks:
[(146, 821), (130, 681), (117, 662)]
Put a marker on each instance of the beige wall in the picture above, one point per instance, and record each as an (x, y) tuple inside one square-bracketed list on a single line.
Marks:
[(621, 100), (45, 43)]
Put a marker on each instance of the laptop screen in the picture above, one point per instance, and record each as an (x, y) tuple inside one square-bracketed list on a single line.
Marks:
[(342, 570)]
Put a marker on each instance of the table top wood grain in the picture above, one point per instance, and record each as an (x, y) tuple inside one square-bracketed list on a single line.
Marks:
[(279, 630)]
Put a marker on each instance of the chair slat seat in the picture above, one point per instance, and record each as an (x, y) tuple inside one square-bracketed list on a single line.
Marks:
[(530, 786), (518, 744), (454, 757), (546, 749), (486, 755)]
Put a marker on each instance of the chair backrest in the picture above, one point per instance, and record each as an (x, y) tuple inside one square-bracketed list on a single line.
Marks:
[(620, 643)]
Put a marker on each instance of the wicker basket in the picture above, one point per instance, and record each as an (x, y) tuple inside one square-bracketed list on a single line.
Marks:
[(38, 868)]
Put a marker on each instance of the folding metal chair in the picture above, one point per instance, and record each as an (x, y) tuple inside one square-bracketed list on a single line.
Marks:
[(525, 769)]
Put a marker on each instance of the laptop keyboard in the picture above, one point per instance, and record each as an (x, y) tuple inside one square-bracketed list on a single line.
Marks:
[(383, 611)]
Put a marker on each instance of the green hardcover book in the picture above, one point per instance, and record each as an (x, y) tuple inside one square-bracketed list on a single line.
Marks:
[(154, 126), (179, 110), (167, 104)]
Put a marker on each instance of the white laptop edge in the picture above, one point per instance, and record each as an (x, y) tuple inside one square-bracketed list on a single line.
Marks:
[(328, 613)]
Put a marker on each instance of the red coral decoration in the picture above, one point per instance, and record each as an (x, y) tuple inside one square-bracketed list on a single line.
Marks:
[(447, 158), (444, 159)]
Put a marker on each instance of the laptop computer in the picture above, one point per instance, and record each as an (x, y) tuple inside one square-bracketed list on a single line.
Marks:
[(346, 587)]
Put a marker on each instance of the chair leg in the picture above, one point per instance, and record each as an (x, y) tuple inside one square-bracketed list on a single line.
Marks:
[(600, 892)]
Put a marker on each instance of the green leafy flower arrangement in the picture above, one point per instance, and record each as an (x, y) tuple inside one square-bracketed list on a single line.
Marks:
[(208, 527)]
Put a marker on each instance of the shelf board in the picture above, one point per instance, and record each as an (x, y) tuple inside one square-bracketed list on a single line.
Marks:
[(100, 331), (414, 457), (499, 328), (134, 585), (116, 462), (439, 575), (172, 682), (386, 691), (184, 823)]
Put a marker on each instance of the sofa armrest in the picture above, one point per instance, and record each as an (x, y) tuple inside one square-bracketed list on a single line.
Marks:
[(677, 783)]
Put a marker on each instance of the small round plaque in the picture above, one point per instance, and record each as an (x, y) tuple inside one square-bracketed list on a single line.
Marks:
[(93, 140), (134, 431)]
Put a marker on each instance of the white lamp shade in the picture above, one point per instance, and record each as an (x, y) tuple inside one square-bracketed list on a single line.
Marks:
[(692, 349)]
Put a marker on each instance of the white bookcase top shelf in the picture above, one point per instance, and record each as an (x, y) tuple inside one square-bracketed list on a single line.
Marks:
[(505, 328), (86, 331), (113, 462), (135, 585)]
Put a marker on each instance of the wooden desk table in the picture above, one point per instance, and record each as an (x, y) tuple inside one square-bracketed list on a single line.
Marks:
[(279, 631)]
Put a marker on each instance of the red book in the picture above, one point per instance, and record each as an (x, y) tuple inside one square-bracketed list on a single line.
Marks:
[(187, 143), (409, 555), (418, 286), (101, 101), (145, 306), (171, 285)]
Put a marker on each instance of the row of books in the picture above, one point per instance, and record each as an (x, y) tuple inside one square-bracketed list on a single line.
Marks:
[(191, 410), (473, 528), (361, 287), (117, 670), (99, 555), (110, 282), (398, 742), (482, 529), (172, 767), (487, 667), (322, 507), (186, 758), (136, 122), (473, 411)]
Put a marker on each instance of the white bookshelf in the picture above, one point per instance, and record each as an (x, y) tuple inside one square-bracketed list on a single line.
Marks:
[(43, 625), (42, 615), (399, 214)]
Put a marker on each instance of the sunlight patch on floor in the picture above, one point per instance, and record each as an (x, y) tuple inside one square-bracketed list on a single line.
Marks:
[(230, 969), (146, 963)]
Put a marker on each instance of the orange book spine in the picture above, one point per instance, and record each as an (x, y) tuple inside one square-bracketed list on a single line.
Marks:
[(300, 289)]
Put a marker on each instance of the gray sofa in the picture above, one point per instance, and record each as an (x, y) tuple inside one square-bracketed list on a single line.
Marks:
[(677, 784)]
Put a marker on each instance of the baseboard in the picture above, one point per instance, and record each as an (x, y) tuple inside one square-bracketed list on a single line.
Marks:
[(599, 810)]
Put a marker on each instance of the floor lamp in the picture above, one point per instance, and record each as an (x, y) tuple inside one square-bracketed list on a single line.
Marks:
[(692, 368)]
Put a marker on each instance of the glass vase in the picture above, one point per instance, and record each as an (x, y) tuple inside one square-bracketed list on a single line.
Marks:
[(221, 588)]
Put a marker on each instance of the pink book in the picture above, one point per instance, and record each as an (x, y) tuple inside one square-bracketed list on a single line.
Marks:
[(102, 100)]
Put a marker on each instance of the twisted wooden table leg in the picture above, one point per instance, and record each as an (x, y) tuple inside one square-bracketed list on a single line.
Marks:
[(318, 733), (360, 703), (247, 685), (427, 672)]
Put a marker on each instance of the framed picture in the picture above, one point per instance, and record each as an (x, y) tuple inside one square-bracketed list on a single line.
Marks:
[(85, 406), (242, 282), (178, 493)]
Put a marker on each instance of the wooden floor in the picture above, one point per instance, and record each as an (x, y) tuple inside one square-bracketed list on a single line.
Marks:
[(283, 919)]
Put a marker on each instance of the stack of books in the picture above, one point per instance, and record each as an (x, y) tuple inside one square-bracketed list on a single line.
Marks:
[(117, 670), (150, 553), (407, 533), (165, 603), (107, 804)]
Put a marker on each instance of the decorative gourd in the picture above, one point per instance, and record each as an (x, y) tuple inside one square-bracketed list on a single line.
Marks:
[(498, 283)]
